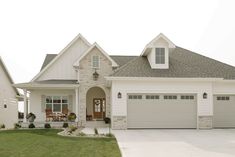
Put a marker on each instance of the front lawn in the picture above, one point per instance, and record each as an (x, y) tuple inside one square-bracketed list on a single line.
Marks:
[(46, 143)]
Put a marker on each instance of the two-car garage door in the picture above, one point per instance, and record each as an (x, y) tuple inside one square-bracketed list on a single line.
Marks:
[(161, 111)]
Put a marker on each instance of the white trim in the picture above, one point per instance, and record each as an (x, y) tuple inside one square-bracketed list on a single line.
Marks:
[(79, 36), (149, 45), (76, 64), (161, 79), (38, 86)]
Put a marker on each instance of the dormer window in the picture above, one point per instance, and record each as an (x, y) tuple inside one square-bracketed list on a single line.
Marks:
[(160, 55), (95, 62)]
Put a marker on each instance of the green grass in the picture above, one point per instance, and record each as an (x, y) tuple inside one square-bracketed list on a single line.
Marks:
[(46, 143)]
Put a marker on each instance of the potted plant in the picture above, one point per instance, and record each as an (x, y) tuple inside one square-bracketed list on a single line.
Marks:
[(72, 116), (31, 117), (107, 120)]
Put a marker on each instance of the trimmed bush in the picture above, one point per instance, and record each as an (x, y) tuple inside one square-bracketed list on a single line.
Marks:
[(107, 120), (2, 126), (17, 126), (31, 125), (47, 126), (96, 131), (65, 125)]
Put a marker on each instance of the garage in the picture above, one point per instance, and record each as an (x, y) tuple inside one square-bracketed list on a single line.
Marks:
[(224, 111), (161, 111)]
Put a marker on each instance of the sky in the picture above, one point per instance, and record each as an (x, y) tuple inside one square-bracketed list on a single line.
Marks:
[(30, 29)]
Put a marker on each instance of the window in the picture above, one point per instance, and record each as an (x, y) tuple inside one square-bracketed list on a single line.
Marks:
[(149, 97), (160, 55), (223, 98), (135, 96), (95, 62), (170, 97), (187, 97), (57, 103)]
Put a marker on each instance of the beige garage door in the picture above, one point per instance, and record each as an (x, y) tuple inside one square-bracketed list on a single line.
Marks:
[(224, 111), (161, 111)]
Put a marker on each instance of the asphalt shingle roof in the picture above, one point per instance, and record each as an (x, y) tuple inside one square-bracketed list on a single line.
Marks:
[(182, 64)]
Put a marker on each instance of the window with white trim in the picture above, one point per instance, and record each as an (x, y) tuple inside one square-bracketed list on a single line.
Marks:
[(135, 97), (95, 62), (223, 98), (57, 103), (149, 97), (170, 97), (160, 55), (187, 97)]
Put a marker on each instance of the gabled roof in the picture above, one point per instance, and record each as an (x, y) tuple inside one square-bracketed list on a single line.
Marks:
[(150, 44), (8, 75), (79, 36), (47, 60), (182, 64), (120, 60), (95, 45)]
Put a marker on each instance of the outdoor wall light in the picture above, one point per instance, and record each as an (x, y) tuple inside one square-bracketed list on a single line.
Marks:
[(204, 95), (95, 75), (119, 95)]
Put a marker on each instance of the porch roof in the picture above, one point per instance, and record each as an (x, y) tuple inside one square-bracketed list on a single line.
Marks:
[(49, 84)]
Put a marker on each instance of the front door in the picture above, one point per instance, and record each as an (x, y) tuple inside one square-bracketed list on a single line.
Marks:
[(99, 108)]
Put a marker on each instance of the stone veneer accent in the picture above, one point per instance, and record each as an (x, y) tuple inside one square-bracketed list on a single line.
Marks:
[(119, 122), (205, 122), (86, 81)]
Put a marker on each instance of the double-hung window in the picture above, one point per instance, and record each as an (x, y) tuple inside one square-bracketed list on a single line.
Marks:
[(160, 55)]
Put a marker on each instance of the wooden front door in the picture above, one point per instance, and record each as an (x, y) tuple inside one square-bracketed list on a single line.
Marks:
[(99, 108)]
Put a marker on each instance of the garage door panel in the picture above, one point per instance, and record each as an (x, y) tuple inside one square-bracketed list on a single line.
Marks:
[(161, 113), (224, 111)]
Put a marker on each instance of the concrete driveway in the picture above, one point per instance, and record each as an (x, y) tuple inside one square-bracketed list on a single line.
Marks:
[(176, 143)]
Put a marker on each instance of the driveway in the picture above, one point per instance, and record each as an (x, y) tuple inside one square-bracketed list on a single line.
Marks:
[(176, 143)]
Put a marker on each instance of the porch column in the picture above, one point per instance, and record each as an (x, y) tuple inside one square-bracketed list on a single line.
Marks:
[(76, 103), (25, 105)]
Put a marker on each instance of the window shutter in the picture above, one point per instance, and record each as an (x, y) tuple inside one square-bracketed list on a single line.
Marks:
[(70, 105), (43, 103)]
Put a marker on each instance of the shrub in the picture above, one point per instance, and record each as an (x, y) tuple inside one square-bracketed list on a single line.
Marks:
[(81, 134), (2, 126), (17, 126), (72, 128), (31, 125), (72, 116), (109, 135), (96, 131), (65, 125), (47, 126)]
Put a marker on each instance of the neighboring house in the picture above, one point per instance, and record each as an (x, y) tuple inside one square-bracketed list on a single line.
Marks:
[(9, 96), (165, 87)]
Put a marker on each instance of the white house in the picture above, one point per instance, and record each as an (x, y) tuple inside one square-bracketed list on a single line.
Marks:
[(166, 86), (9, 96)]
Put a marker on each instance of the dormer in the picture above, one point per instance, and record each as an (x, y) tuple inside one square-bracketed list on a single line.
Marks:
[(157, 52)]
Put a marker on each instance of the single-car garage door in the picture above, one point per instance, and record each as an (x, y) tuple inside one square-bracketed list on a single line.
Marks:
[(161, 111), (224, 111)]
